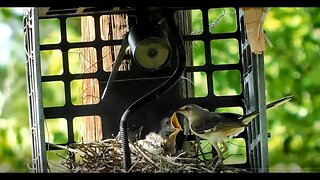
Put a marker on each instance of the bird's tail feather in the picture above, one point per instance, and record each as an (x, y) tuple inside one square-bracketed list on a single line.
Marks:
[(279, 102), (247, 118)]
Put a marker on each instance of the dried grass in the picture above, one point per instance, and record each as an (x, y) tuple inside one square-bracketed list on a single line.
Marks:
[(106, 157)]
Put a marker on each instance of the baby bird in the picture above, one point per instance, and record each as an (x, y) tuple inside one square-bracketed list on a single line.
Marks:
[(163, 142)]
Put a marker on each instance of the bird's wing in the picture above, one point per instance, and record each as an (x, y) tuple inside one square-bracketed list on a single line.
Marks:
[(230, 115), (203, 125), (217, 122), (229, 121)]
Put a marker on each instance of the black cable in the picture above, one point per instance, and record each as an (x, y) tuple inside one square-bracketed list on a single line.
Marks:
[(167, 85)]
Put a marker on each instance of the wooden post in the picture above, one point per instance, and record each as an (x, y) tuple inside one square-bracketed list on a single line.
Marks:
[(112, 27)]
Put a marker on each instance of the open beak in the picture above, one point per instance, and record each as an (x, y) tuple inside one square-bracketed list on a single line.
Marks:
[(175, 124)]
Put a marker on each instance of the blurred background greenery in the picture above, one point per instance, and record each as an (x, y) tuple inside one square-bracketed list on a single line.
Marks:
[(291, 67)]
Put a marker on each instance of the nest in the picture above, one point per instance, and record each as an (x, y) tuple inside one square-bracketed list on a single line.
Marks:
[(106, 157)]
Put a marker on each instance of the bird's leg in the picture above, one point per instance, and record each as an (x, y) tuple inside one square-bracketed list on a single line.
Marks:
[(225, 147), (220, 154), (217, 163), (216, 147)]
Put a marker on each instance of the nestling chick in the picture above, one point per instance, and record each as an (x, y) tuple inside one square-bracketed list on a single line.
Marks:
[(170, 127), (164, 141)]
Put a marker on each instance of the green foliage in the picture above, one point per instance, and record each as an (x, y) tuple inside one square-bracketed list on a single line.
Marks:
[(292, 67), (15, 149)]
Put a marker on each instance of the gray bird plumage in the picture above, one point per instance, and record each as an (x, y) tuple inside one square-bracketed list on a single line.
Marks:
[(218, 126)]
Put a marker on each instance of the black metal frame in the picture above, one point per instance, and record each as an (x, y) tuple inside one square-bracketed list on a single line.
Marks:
[(130, 85)]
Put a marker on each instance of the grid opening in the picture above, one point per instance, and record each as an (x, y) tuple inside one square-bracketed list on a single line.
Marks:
[(237, 110), (55, 159), (82, 60), (51, 62), (53, 94), (200, 84), (227, 82), (56, 130), (109, 55), (197, 22), (222, 20), (236, 153), (198, 53), (218, 54), (49, 31), (112, 27), (74, 29), (85, 91), (82, 133)]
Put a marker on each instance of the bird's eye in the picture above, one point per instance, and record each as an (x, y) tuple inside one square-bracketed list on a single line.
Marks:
[(185, 108)]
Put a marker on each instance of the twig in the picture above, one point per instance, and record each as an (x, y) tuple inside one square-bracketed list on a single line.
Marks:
[(106, 156), (67, 148), (146, 157)]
